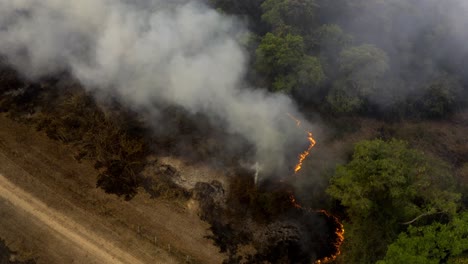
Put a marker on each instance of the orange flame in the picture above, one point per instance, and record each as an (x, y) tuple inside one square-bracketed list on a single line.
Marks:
[(306, 153), (339, 231)]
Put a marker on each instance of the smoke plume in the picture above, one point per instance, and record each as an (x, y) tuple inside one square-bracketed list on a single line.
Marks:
[(147, 52)]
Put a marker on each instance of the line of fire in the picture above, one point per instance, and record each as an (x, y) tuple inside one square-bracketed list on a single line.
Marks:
[(339, 231)]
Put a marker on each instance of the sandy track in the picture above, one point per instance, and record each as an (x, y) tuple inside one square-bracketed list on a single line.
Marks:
[(151, 230), (102, 250)]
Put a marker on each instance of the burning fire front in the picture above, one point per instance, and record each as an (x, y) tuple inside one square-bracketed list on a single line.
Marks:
[(339, 231)]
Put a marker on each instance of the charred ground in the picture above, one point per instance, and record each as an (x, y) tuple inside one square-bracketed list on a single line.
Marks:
[(385, 82), (261, 217)]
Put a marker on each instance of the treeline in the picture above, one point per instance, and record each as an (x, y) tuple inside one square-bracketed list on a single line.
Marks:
[(388, 59), (402, 206)]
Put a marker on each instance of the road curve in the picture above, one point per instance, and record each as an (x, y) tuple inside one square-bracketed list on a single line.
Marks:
[(103, 250)]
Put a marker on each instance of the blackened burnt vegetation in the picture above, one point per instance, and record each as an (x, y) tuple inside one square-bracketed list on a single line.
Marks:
[(116, 138), (64, 111), (121, 142), (264, 218), (377, 72), (9, 257), (122, 146)]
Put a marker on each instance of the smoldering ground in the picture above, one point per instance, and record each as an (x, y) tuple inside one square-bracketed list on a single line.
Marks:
[(147, 53)]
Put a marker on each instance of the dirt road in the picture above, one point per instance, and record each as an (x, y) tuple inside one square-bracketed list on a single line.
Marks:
[(99, 249), (51, 211)]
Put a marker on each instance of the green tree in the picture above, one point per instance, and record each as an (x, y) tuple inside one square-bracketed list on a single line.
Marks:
[(329, 40), (290, 16), (361, 70), (431, 244), (278, 55), (309, 72), (344, 100), (441, 96), (284, 83), (283, 61), (384, 187), (363, 66)]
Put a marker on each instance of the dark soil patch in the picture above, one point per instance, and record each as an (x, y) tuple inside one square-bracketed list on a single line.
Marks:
[(9, 257)]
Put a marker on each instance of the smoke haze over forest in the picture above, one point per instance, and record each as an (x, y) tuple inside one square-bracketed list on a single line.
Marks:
[(424, 42), (185, 53), (180, 53), (386, 80)]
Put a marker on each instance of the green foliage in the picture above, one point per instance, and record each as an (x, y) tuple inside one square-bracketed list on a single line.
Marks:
[(343, 100), (310, 72), (440, 97), (331, 37), (282, 59), (278, 55), (362, 68), (431, 244), (384, 185), (391, 173), (354, 44), (329, 40), (284, 83), (290, 16)]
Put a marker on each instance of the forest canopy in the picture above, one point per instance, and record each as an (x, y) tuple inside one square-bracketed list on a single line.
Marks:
[(392, 60), (381, 85), (368, 57)]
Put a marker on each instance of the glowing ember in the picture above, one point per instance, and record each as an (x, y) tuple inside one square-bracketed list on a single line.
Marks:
[(294, 202), (298, 122)]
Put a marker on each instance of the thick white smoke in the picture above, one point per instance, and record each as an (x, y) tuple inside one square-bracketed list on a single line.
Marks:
[(178, 52)]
